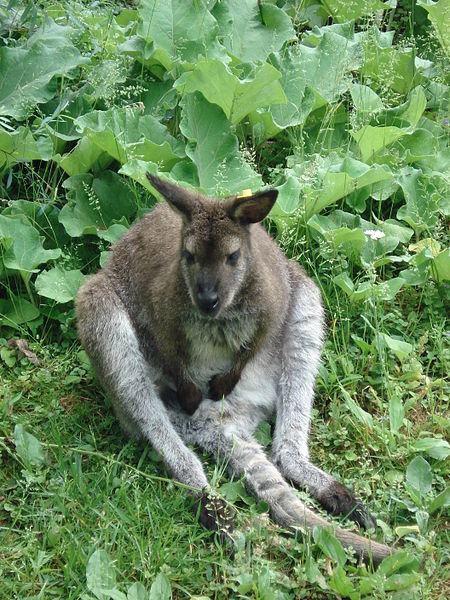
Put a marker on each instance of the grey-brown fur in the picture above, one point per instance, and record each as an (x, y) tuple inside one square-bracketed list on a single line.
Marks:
[(255, 348)]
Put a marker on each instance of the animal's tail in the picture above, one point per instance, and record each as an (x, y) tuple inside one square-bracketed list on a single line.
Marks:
[(265, 481)]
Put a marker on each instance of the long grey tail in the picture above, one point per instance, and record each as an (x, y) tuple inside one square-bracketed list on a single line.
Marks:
[(265, 481)]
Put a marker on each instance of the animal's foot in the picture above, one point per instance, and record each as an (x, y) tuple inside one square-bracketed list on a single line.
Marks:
[(189, 396), (215, 515), (339, 500), (221, 385)]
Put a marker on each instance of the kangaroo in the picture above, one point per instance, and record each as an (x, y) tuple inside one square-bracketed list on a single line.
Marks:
[(199, 328)]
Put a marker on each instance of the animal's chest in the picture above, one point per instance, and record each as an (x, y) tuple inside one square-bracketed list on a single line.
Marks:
[(213, 346)]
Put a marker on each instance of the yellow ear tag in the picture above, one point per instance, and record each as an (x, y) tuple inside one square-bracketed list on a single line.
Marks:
[(245, 194)]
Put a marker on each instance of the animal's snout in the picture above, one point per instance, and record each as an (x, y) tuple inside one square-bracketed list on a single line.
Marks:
[(207, 299)]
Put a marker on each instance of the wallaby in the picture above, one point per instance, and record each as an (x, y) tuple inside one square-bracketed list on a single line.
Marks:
[(199, 328)]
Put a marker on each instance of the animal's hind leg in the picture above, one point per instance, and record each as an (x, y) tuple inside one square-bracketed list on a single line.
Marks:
[(110, 341), (227, 436), (300, 359)]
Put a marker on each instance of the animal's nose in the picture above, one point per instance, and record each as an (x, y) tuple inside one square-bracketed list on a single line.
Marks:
[(207, 299)]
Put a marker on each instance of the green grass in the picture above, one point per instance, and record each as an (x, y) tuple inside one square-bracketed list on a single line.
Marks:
[(97, 490)]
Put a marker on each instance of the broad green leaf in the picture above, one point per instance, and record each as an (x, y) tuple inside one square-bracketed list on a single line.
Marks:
[(250, 30), (395, 230), (100, 575), (263, 434), (422, 519), (43, 216), (245, 581), (160, 589), (396, 562), (85, 156), (288, 196), (416, 146), (113, 233), (439, 15), (354, 234), (58, 284), (341, 583), (21, 145), (7, 355), (234, 490), (409, 112), (300, 96), (137, 169), (418, 475), (363, 417), (237, 97), (95, 203), (442, 500), (430, 245), (326, 68), (396, 412), (179, 30), (401, 581), (400, 348), (403, 530), (393, 67), (335, 178), (441, 266), (434, 447), (28, 447), (365, 100), (16, 310), (387, 290), (159, 98), (214, 149), (422, 193), (348, 239), (27, 73), (137, 592), (414, 108), (345, 283), (313, 573), (262, 124), (329, 545), (126, 133), (351, 10), (372, 139), (21, 245)]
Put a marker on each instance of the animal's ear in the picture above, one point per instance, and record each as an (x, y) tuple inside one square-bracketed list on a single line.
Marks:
[(180, 200), (251, 209)]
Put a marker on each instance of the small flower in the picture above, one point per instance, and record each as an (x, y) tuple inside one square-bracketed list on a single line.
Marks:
[(374, 234), (445, 122)]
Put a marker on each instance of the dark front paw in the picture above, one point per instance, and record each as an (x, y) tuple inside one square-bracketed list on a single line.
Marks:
[(215, 515), (189, 396), (222, 385), (339, 500)]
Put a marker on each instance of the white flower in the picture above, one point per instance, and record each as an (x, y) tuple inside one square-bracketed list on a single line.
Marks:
[(374, 234)]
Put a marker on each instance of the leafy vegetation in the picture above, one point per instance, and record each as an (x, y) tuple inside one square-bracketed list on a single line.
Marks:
[(344, 108)]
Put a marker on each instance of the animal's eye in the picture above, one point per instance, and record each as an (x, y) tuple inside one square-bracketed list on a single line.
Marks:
[(190, 258), (233, 258)]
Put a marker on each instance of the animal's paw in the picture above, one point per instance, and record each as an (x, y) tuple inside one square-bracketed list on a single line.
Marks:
[(189, 396), (221, 385), (215, 515), (339, 500)]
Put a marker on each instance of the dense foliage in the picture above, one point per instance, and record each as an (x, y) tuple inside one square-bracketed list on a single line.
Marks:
[(343, 106)]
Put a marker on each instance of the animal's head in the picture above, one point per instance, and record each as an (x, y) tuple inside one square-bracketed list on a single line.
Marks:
[(216, 249)]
